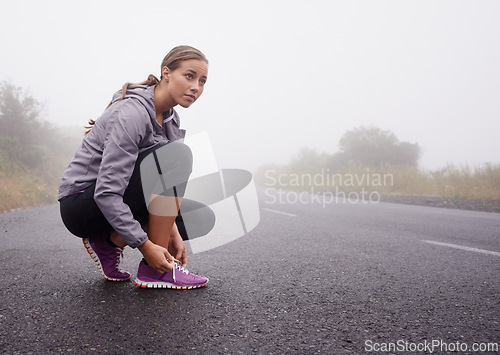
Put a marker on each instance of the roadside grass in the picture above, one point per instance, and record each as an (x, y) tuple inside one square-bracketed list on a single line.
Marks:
[(25, 190), (24, 187), (23, 184)]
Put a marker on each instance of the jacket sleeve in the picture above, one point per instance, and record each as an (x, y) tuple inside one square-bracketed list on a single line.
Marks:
[(123, 135)]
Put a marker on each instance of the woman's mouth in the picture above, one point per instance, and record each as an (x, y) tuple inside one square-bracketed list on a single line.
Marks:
[(190, 97)]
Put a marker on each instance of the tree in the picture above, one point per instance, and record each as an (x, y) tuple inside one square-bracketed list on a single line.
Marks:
[(376, 147), (20, 127), (308, 161), (406, 153), (19, 113)]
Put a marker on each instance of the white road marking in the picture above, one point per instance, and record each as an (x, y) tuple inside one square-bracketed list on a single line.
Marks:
[(456, 246), (280, 212)]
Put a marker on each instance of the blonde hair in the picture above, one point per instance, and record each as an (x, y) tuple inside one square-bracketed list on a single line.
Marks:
[(172, 61)]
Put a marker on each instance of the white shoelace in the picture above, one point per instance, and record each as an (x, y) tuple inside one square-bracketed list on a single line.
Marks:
[(180, 268)]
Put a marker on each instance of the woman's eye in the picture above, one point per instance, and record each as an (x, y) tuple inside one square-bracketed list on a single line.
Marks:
[(189, 76), (203, 81)]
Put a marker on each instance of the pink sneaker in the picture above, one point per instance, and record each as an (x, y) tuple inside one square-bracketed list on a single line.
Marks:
[(178, 278), (106, 258)]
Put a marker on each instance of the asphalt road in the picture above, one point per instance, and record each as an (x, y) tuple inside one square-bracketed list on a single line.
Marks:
[(332, 279)]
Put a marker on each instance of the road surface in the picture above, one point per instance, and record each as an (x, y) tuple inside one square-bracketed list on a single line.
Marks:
[(312, 277)]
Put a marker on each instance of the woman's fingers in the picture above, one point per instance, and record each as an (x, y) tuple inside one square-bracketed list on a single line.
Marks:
[(183, 258), (159, 258), (167, 255)]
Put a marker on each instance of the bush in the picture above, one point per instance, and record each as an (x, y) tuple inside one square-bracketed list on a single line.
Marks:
[(33, 153)]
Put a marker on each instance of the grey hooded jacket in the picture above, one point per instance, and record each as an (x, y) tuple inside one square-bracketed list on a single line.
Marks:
[(109, 152)]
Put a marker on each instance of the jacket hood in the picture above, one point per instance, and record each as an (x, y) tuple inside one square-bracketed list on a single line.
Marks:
[(143, 93), (146, 96)]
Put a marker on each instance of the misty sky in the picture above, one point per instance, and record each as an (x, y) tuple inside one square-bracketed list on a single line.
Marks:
[(283, 74)]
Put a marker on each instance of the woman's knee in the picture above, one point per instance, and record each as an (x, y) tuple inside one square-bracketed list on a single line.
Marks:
[(171, 165), (178, 154)]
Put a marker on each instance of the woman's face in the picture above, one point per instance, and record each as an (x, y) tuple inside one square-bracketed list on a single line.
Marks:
[(185, 84)]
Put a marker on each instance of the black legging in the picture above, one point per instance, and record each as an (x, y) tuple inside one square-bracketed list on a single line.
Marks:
[(83, 218)]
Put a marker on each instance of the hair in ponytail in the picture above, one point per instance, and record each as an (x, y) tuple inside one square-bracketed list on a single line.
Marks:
[(150, 81), (172, 61)]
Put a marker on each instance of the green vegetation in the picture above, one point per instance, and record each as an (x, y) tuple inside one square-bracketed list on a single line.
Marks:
[(372, 160), (33, 153)]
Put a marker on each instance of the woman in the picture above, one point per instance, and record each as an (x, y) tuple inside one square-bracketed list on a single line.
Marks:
[(101, 193)]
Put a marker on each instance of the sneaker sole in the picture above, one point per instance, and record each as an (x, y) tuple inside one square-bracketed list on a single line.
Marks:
[(144, 284), (94, 257)]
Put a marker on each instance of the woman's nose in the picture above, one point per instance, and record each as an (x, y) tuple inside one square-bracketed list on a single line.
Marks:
[(195, 88)]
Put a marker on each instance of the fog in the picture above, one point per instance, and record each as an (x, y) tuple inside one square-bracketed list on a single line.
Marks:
[(283, 74)]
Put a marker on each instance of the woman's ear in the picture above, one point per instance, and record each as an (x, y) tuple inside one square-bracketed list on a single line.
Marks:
[(165, 73)]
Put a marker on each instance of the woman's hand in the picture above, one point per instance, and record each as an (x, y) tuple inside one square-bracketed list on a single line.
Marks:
[(156, 256), (177, 247)]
